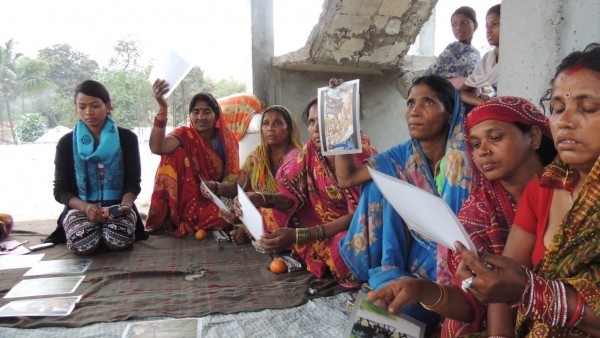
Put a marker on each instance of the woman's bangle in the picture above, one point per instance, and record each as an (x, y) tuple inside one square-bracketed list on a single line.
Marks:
[(160, 123), (441, 303), (302, 236), (263, 198), (578, 313), (125, 205)]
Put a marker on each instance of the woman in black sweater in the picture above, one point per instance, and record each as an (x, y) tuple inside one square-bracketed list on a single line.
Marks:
[(97, 177)]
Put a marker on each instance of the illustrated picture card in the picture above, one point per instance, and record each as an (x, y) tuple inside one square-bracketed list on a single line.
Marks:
[(45, 286), (41, 307), (423, 212), (60, 266), (369, 320), (172, 67), (19, 261), (339, 118), (169, 328)]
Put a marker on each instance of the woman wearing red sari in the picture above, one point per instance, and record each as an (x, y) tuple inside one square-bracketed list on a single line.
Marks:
[(205, 150)]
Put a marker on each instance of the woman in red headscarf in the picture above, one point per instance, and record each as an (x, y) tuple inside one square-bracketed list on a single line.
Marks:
[(205, 150), (510, 142)]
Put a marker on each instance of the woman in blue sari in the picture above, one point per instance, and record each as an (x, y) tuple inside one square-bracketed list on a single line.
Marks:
[(379, 248)]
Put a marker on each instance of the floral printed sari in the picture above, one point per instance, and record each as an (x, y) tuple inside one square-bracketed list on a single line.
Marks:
[(308, 181), (177, 184)]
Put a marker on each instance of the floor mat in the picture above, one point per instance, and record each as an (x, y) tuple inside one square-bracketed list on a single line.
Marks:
[(170, 277)]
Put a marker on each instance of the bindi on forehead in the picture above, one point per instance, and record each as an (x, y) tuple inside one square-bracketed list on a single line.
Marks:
[(573, 70)]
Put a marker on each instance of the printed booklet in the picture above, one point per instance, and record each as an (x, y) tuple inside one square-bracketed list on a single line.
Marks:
[(369, 320)]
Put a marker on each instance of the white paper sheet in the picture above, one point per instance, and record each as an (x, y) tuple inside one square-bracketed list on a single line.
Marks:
[(18, 262), (40, 307), (214, 197), (171, 67), (45, 286), (251, 217), (423, 212)]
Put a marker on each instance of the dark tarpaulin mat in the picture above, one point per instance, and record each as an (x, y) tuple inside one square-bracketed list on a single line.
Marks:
[(149, 281)]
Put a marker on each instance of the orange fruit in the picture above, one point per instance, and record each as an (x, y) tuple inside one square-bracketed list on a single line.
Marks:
[(278, 266), (201, 234)]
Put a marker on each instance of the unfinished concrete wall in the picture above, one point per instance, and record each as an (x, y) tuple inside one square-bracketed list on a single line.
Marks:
[(382, 106), (367, 34), (531, 46)]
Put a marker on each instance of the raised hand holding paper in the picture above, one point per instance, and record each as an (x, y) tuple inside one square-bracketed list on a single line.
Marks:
[(251, 216), (423, 212), (170, 67), (339, 112)]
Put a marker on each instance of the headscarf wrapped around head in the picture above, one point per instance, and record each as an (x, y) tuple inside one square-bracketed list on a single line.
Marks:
[(262, 179), (509, 109)]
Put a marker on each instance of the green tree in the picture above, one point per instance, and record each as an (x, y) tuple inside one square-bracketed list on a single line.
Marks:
[(128, 85), (8, 82), (128, 55), (31, 127), (31, 78), (67, 68)]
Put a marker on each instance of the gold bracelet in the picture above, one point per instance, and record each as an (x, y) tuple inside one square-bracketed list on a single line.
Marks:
[(302, 236), (441, 303), (323, 233)]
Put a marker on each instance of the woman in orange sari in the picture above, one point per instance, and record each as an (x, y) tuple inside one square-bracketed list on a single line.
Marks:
[(205, 150)]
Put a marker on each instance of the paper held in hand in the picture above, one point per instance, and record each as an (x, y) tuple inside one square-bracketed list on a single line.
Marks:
[(216, 200), (251, 217), (423, 212), (171, 67), (339, 119)]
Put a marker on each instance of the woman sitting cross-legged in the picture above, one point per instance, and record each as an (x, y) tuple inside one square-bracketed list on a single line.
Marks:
[(205, 150), (97, 165)]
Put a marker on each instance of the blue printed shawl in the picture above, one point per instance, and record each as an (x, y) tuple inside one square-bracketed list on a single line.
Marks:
[(378, 247), (95, 162)]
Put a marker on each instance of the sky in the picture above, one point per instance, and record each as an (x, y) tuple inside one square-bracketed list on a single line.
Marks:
[(212, 34)]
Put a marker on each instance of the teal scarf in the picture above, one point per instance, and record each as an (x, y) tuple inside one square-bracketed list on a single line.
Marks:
[(98, 167)]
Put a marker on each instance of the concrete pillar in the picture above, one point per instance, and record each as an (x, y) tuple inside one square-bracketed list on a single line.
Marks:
[(427, 36), (262, 46), (531, 46)]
